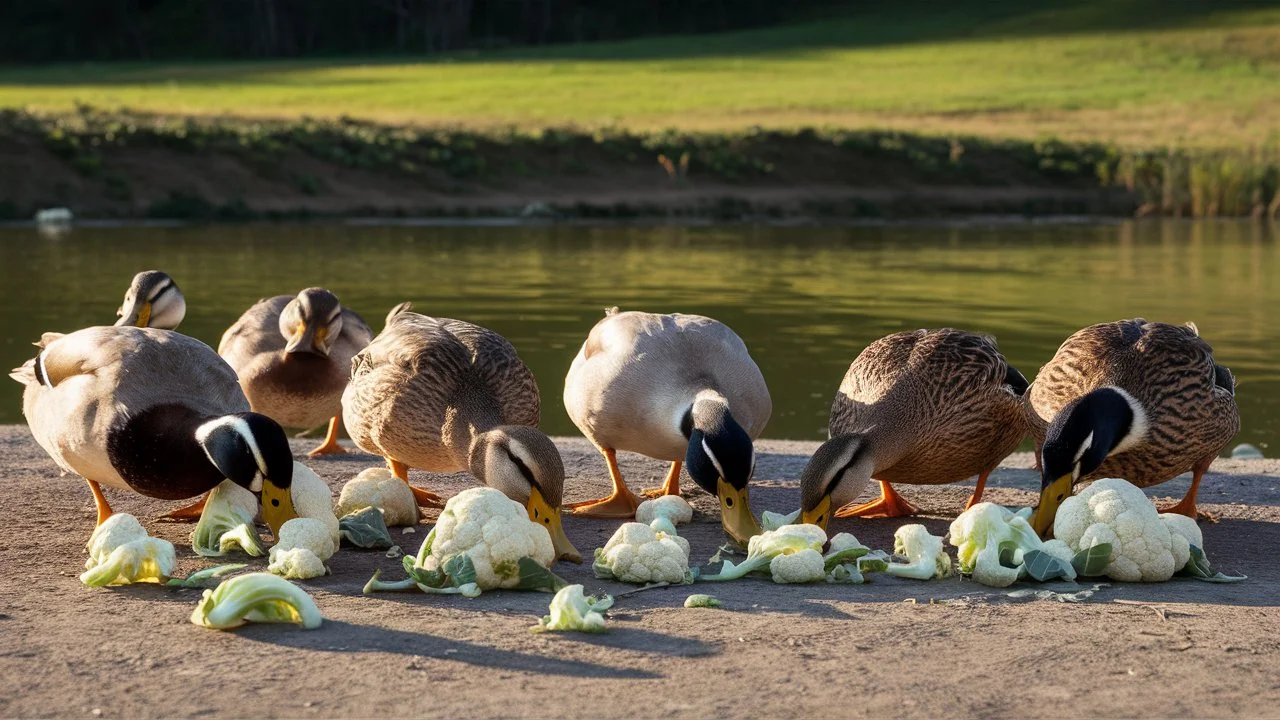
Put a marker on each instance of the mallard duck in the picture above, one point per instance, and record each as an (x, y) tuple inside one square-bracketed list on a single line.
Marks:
[(444, 395), (924, 407), (293, 357), (153, 411), (680, 388), (1136, 400), (152, 300)]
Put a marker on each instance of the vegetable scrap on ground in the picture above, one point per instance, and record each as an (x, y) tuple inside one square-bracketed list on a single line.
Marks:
[(400, 644)]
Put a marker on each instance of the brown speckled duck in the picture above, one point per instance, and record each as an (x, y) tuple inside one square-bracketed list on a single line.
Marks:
[(445, 395), (293, 356), (1137, 400), (925, 407)]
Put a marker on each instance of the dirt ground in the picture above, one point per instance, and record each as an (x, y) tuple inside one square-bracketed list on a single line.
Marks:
[(894, 647)]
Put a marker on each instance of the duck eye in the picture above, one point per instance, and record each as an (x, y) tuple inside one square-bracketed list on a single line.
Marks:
[(275, 502)]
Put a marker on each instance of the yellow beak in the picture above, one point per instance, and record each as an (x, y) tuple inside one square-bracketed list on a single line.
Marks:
[(277, 506), (540, 511), (820, 515), (1050, 498), (735, 513), (144, 315)]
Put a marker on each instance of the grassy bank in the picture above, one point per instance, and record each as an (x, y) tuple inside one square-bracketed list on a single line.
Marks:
[(1137, 73), (107, 164)]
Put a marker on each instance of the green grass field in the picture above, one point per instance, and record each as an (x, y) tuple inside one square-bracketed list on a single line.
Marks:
[(1134, 72)]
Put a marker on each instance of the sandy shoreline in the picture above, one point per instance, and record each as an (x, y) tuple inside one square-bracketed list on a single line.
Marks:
[(893, 647)]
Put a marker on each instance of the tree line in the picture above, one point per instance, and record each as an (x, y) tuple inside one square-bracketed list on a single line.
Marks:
[(34, 31)]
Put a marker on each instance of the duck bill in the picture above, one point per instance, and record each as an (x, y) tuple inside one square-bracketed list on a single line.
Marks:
[(819, 515), (1050, 498), (309, 339), (277, 506), (541, 512), (135, 315), (735, 513)]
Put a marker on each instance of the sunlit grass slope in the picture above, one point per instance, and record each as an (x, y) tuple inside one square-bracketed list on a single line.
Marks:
[(1137, 72)]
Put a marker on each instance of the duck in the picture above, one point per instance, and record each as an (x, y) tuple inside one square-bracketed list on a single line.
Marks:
[(679, 388), (293, 356), (922, 407), (445, 395), (1137, 400), (155, 412), (152, 300)]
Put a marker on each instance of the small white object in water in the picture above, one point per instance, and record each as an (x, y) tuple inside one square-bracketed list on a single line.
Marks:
[(54, 216), (1246, 451)]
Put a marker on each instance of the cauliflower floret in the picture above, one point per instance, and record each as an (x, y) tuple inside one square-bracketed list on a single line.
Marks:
[(120, 552), (928, 559), (296, 564), (639, 554), (802, 566), (844, 541), (673, 507), (494, 531), (1116, 512), (377, 487), (308, 533), (313, 499), (986, 530), (1181, 528), (764, 548), (571, 609)]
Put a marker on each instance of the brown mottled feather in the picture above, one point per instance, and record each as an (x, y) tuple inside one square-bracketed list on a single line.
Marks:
[(934, 405), (1169, 369), (425, 386)]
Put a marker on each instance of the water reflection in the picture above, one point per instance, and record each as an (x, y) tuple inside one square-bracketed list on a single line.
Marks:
[(806, 300)]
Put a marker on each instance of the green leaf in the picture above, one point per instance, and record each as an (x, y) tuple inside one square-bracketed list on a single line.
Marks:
[(1092, 561), (199, 578), (847, 555), (535, 577), (433, 578), (460, 570), (366, 528), (1044, 567), (1198, 567)]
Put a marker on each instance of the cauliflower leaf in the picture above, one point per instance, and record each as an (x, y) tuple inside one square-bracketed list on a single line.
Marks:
[(926, 557), (256, 597), (226, 523), (366, 528), (572, 610), (121, 553)]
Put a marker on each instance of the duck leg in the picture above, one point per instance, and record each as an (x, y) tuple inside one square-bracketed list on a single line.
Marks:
[(423, 497), (976, 497), (1187, 505), (670, 486), (622, 503), (187, 513), (330, 445), (890, 505), (104, 509)]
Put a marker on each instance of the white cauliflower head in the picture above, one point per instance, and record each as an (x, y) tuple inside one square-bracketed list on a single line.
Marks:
[(673, 507), (639, 554), (308, 533), (1117, 512), (494, 531), (377, 487)]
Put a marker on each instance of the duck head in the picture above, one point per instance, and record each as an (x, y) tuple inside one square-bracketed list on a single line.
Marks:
[(525, 465), (836, 475), (1083, 434), (152, 300), (252, 451), (311, 322), (721, 460)]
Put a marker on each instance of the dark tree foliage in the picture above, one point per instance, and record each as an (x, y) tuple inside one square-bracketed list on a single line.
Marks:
[(83, 30)]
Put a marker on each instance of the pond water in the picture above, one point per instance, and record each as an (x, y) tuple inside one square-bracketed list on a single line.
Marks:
[(805, 299)]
